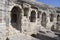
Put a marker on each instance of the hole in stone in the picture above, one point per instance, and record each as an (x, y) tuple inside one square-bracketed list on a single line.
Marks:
[(58, 11), (58, 23), (26, 10), (38, 15), (58, 18), (33, 16), (7, 38), (51, 17), (16, 17), (33, 35), (52, 28)]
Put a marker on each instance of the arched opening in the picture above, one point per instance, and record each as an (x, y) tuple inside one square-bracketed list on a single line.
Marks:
[(7, 38), (33, 35), (51, 17), (38, 15), (58, 18), (26, 10), (16, 17), (58, 22), (52, 28), (43, 21), (33, 16), (58, 11)]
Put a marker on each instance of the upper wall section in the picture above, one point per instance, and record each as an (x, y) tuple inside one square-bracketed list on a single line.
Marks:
[(35, 4), (39, 5)]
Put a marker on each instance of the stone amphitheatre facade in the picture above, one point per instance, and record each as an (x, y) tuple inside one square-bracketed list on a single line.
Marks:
[(27, 17)]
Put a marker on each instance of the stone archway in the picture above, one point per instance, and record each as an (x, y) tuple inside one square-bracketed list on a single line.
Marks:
[(33, 16), (51, 17), (38, 15), (16, 17), (58, 22), (43, 21), (26, 10)]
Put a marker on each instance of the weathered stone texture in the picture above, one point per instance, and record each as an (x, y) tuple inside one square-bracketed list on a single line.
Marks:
[(24, 17)]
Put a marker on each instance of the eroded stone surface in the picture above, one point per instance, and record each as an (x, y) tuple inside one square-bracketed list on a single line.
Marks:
[(19, 25)]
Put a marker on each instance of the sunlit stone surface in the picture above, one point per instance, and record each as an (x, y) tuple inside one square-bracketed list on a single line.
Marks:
[(28, 20)]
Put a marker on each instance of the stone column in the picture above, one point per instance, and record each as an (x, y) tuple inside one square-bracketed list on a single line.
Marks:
[(48, 21), (55, 21)]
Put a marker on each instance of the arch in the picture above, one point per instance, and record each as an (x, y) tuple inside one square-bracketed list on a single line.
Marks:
[(58, 18), (33, 16), (38, 15), (7, 38), (52, 28), (16, 17), (58, 11), (33, 35), (51, 17), (43, 22), (26, 10), (58, 21)]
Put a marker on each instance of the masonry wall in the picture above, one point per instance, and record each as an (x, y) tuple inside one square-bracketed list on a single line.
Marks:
[(2, 20), (26, 18), (29, 14)]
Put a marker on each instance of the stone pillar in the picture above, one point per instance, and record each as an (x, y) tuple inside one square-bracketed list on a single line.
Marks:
[(36, 15), (55, 21), (43, 22), (48, 25), (40, 18), (39, 21)]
